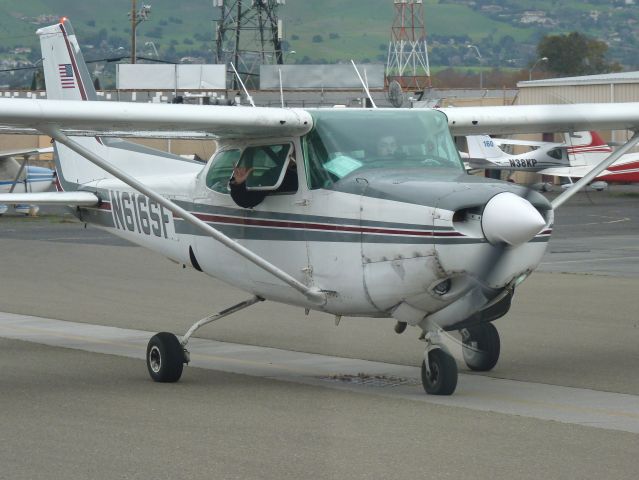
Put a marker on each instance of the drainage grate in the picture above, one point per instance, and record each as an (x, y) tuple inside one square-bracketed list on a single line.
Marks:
[(371, 380)]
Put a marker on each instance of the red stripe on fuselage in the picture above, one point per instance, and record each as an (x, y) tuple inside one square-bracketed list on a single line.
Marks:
[(252, 222), (73, 64)]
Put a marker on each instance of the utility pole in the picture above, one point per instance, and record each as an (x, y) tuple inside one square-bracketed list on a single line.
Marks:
[(137, 17), (133, 27)]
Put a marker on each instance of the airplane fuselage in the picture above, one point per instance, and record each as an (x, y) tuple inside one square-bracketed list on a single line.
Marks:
[(369, 255)]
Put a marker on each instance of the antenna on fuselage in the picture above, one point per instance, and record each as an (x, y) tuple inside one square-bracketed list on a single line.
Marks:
[(248, 95), (364, 84)]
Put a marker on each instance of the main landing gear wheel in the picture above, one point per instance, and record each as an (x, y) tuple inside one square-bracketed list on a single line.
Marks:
[(442, 378), (165, 357), (481, 347)]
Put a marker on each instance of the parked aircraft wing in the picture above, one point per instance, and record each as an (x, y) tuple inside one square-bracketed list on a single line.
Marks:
[(575, 172), (524, 143)]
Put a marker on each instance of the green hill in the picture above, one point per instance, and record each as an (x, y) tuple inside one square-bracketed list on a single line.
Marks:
[(505, 31)]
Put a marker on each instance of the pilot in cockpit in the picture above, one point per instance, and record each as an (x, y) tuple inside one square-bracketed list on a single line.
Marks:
[(387, 146), (249, 198)]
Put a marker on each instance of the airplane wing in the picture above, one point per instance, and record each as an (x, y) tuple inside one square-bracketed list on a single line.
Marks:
[(542, 118), (25, 152), (524, 143), (116, 119), (575, 172)]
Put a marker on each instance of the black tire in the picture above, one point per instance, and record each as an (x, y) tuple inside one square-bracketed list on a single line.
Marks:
[(165, 358), (481, 347), (443, 373)]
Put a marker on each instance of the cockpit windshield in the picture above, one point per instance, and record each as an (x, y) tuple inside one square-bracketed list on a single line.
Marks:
[(345, 141)]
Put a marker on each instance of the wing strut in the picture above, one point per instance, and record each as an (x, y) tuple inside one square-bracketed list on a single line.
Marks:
[(313, 294), (590, 176)]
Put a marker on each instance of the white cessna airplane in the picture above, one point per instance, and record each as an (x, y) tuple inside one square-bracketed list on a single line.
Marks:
[(355, 232)]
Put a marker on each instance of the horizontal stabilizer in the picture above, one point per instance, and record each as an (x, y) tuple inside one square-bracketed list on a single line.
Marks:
[(482, 163), (25, 152), (81, 199)]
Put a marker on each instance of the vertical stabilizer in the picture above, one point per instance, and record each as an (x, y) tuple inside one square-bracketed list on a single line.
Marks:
[(586, 148), (482, 146), (67, 78), (65, 72)]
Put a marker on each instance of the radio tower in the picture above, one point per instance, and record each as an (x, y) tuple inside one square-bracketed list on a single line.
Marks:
[(407, 50), (248, 34)]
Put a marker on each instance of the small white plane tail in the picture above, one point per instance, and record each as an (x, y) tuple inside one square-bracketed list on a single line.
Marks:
[(482, 146), (67, 78), (65, 72)]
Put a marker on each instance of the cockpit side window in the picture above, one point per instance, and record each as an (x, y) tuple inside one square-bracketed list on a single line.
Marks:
[(267, 164), (556, 153), (220, 172)]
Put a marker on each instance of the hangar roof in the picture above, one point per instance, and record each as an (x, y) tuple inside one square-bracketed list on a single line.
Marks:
[(607, 78)]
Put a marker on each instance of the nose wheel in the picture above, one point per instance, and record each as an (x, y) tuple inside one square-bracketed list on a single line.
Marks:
[(439, 370), (439, 377)]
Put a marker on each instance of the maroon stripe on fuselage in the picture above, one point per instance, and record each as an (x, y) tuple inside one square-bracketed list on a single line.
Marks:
[(73, 64), (58, 185), (319, 226)]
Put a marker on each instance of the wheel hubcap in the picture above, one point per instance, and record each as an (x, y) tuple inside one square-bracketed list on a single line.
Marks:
[(155, 359), (434, 373)]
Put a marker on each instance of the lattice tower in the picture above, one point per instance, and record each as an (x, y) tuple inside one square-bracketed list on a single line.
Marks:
[(249, 34), (408, 50)]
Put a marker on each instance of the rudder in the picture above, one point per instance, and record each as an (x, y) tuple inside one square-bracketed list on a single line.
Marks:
[(65, 71)]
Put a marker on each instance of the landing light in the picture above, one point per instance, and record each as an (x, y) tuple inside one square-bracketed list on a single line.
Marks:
[(442, 288)]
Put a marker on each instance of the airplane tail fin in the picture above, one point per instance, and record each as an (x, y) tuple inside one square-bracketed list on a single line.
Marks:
[(67, 78), (586, 148), (65, 72), (482, 146)]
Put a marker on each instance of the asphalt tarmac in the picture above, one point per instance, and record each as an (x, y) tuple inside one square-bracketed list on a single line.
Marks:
[(68, 413)]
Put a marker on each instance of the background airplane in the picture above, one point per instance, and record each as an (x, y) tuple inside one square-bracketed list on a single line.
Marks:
[(575, 157), (19, 177)]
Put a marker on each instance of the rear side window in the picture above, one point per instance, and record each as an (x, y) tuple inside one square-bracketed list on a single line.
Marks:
[(218, 176)]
